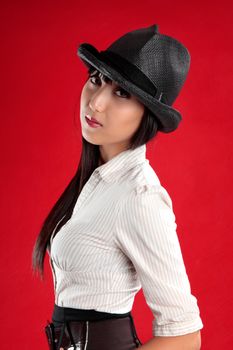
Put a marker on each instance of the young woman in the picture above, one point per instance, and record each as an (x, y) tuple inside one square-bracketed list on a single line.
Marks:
[(113, 229)]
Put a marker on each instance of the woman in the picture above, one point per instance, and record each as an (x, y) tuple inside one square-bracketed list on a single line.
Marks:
[(113, 229)]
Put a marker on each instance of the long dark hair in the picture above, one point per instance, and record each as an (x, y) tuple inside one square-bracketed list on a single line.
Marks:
[(63, 208)]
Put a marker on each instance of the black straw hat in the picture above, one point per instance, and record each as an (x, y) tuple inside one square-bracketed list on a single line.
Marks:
[(150, 65)]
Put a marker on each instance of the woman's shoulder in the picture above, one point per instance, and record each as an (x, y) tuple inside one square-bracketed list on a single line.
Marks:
[(142, 173), (147, 186)]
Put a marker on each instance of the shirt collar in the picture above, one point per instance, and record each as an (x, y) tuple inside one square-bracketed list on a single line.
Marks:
[(121, 163)]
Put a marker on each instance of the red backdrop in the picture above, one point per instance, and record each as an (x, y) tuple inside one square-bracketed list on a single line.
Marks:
[(41, 80)]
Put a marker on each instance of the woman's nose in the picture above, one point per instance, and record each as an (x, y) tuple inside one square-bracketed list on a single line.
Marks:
[(99, 100)]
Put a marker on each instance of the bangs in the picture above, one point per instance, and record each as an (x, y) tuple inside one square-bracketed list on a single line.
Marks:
[(92, 71)]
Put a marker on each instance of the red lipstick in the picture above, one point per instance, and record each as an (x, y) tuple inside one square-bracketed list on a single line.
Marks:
[(93, 123)]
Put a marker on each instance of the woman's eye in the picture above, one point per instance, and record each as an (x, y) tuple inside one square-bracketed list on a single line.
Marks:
[(93, 77), (125, 93)]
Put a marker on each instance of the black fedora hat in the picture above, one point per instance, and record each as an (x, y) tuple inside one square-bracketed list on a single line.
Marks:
[(150, 65)]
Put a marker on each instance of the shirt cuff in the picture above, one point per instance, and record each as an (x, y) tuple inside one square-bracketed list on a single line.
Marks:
[(177, 328)]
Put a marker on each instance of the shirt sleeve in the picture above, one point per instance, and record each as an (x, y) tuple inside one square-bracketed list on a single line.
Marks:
[(146, 233)]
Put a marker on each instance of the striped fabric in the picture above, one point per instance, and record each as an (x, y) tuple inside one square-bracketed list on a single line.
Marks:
[(120, 238)]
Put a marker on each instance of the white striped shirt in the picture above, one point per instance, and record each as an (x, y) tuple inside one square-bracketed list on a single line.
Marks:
[(120, 238)]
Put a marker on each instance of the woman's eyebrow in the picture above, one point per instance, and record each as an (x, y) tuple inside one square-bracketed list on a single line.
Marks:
[(99, 74), (95, 72)]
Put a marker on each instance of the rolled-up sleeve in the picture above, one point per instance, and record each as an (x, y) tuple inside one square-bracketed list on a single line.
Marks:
[(146, 233)]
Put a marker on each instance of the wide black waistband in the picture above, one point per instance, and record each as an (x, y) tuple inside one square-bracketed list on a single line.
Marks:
[(63, 314)]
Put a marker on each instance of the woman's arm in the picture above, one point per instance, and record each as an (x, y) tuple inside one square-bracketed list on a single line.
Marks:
[(146, 233), (190, 341)]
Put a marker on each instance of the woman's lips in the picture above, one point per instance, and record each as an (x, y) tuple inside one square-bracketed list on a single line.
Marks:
[(93, 119), (92, 123)]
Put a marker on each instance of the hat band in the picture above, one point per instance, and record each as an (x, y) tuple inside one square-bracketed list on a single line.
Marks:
[(131, 72)]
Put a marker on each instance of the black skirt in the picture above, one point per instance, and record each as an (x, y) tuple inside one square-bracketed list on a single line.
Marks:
[(91, 330)]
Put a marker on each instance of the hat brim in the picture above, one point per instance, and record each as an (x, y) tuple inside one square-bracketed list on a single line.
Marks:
[(169, 118)]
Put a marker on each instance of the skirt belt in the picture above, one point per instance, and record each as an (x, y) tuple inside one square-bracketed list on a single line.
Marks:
[(70, 327)]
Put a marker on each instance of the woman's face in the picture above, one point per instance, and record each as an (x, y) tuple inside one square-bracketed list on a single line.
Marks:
[(119, 112)]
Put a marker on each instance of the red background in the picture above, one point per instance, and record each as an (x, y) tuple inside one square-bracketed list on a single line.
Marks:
[(41, 80)]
